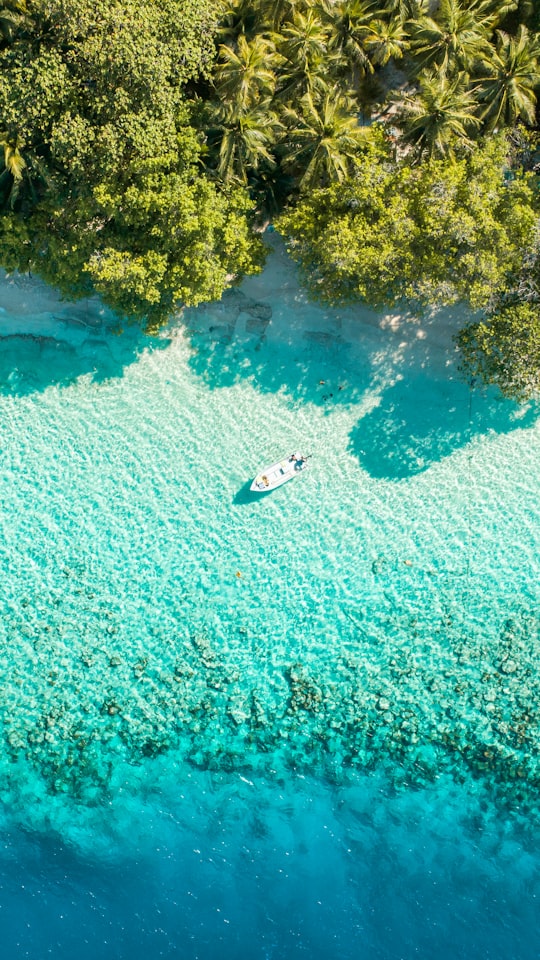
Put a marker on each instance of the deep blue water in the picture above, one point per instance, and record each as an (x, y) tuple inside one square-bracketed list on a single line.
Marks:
[(289, 871)]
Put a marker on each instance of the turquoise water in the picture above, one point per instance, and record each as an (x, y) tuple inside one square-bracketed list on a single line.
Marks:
[(298, 725)]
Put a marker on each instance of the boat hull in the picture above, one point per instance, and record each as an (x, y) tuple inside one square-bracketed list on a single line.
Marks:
[(279, 473)]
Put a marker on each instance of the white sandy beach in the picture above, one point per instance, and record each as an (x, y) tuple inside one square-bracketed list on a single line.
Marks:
[(392, 340)]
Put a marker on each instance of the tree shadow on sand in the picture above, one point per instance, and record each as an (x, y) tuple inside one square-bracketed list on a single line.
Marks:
[(420, 421)]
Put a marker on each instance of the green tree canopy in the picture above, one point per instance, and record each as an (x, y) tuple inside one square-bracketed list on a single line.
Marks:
[(104, 161), (504, 349), (438, 232)]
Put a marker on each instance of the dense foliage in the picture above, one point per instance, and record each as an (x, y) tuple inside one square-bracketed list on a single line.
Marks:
[(435, 232), (144, 144), (108, 193), (505, 349)]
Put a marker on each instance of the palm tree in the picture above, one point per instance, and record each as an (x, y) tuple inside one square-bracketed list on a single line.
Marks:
[(529, 14), (270, 187), (279, 12), (12, 175), (305, 49), (439, 117), (350, 22), (455, 38), (404, 9), (245, 138), (386, 40), (511, 77), (239, 18), (245, 74), (324, 141)]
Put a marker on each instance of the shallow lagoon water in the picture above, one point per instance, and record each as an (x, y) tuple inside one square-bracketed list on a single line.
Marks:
[(298, 725)]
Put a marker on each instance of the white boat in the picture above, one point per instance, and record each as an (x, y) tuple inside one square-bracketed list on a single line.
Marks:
[(281, 471)]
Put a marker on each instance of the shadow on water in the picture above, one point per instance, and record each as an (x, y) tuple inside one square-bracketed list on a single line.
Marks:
[(30, 363), (308, 371), (413, 423), (245, 496), (417, 423)]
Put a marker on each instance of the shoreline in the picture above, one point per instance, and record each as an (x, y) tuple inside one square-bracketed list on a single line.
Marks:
[(424, 343)]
